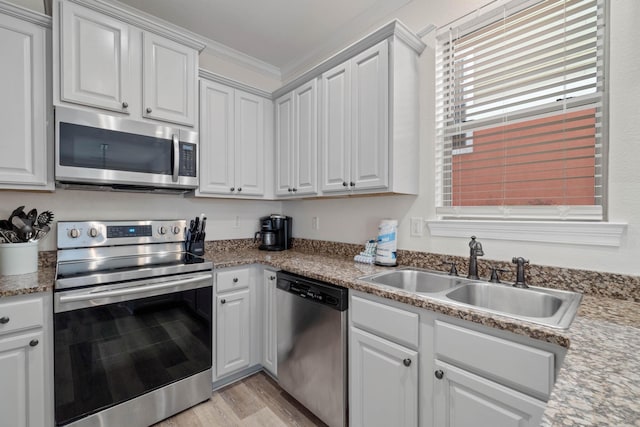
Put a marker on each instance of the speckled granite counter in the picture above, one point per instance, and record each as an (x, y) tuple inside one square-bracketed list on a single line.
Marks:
[(599, 383), (42, 281)]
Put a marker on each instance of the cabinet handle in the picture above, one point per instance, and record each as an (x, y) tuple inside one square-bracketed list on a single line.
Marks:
[(33, 343), (232, 189), (4, 320), (125, 105), (272, 278), (235, 280), (353, 184), (344, 183), (239, 189), (223, 301), (407, 362), (149, 110), (439, 374)]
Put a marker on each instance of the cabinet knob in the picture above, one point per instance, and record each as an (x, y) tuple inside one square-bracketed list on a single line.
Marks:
[(295, 189), (223, 301), (439, 374), (239, 189), (4, 320), (407, 362), (235, 280), (232, 189), (149, 110), (353, 184), (272, 277), (33, 343), (289, 190), (344, 183), (125, 105)]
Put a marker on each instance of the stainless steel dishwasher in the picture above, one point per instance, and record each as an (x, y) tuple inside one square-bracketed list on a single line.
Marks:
[(312, 345)]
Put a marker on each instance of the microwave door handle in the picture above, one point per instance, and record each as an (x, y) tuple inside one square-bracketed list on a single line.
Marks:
[(176, 157)]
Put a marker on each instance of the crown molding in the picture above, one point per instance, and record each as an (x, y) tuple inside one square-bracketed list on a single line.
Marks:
[(208, 75), (393, 28), (25, 14), (223, 51), (145, 21)]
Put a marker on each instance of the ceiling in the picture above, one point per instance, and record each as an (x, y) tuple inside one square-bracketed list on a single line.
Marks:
[(282, 33)]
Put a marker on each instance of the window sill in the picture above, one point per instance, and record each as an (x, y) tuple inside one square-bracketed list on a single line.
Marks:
[(575, 233)]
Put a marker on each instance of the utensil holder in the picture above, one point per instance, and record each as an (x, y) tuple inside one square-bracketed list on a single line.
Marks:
[(18, 258)]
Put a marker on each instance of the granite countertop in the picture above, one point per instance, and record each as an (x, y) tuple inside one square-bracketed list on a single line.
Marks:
[(599, 382)]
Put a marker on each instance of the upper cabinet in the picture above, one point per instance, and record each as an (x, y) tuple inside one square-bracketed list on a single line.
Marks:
[(26, 115), (120, 60), (365, 120), (297, 146), (235, 128)]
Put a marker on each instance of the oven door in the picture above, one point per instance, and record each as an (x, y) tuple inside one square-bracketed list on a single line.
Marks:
[(105, 150), (114, 343)]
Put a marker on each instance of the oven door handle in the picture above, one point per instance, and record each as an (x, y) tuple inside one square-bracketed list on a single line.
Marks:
[(134, 290)]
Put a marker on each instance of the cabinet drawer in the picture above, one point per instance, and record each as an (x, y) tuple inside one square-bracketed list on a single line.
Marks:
[(17, 315), (525, 368), (395, 324), (231, 280)]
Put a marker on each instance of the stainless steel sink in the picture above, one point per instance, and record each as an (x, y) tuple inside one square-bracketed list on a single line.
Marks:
[(414, 280), (549, 307)]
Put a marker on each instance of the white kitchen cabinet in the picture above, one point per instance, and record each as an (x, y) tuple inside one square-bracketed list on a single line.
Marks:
[(232, 332), (108, 57), (26, 375), (369, 124), (94, 58), (232, 141), (296, 141), (462, 399), (269, 353), (170, 73), (26, 112), (383, 382)]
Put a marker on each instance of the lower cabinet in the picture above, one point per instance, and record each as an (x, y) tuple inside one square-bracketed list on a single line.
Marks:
[(462, 399), (383, 387), (269, 348), (233, 332), (25, 372)]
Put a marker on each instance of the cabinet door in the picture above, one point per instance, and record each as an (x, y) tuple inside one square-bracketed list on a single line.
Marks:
[(462, 399), (336, 130), (305, 146), (22, 395), (383, 390), (94, 58), (24, 110), (217, 128), (269, 354), (249, 144), (284, 145), (232, 332), (370, 118), (169, 89)]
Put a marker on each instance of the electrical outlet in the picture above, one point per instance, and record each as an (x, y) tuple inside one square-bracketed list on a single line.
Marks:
[(417, 226), (315, 223)]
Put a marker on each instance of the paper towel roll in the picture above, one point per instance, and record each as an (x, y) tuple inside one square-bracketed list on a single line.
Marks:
[(387, 243)]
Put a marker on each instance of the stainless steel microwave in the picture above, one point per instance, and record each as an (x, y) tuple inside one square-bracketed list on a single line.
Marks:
[(109, 152)]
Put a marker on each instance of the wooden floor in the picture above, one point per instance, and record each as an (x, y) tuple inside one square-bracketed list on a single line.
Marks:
[(254, 401)]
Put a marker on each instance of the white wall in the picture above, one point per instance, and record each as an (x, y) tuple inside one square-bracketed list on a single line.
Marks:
[(355, 220), (70, 205)]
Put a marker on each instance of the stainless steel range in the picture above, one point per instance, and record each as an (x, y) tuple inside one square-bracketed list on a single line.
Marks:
[(132, 323)]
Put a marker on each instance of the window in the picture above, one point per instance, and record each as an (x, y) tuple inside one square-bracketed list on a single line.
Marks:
[(520, 126)]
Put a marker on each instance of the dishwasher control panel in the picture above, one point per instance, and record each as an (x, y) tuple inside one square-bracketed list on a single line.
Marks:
[(319, 292)]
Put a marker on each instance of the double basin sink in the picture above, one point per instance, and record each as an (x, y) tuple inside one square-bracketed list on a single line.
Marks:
[(548, 307)]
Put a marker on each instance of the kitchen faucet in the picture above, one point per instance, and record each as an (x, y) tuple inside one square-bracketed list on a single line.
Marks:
[(475, 250)]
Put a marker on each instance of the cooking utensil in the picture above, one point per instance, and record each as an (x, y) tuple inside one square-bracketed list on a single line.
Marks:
[(23, 227), (32, 215), (44, 218), (11, 236), (40, 232)]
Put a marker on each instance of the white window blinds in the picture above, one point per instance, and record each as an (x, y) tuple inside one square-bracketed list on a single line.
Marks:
[(520, 112)]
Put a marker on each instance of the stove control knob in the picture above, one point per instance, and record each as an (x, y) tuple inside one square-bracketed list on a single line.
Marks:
[(74, 233), (175, 229), (93, 232), (162, 229)]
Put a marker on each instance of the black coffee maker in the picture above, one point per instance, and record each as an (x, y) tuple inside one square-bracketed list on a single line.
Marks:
[(275, 233)]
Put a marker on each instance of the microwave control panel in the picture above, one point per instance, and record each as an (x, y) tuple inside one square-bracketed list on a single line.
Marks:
[(188, 159)]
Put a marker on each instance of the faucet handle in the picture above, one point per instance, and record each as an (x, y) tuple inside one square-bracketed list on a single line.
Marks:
[(453, 271), (495, 274)]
